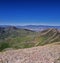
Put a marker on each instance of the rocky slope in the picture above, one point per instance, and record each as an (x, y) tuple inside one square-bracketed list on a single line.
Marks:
[(41, 54)]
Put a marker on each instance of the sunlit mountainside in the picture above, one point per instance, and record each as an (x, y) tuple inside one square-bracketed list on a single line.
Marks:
[(12, 37)]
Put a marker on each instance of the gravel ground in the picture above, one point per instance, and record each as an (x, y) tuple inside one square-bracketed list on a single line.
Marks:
[(40, 54)]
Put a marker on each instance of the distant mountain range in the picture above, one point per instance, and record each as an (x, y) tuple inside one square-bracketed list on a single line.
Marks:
[(38, 27), (34, 27)]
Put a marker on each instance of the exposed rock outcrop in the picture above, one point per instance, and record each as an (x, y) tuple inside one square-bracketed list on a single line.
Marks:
[(40, 54)]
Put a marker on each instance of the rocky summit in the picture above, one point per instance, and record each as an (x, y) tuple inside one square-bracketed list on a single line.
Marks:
[(41, 54)]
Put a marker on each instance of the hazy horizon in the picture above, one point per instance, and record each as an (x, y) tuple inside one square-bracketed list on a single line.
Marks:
[(23, 24)]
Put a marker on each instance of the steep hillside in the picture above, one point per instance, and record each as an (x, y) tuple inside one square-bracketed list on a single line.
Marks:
[(40, 54), (48, 36), (15, 38), (12, 37)]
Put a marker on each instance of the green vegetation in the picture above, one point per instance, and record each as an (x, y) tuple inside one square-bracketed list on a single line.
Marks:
[(12, 37), (4, 45)]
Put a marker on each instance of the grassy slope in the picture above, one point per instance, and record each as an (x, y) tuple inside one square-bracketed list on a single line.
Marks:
[(16, 38), (23, 38)]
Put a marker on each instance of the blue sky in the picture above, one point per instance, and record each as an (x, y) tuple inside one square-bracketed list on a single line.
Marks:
[(22, 12)]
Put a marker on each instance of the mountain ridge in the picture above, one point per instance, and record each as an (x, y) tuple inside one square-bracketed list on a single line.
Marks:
[(33, 27), (12, 37)]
